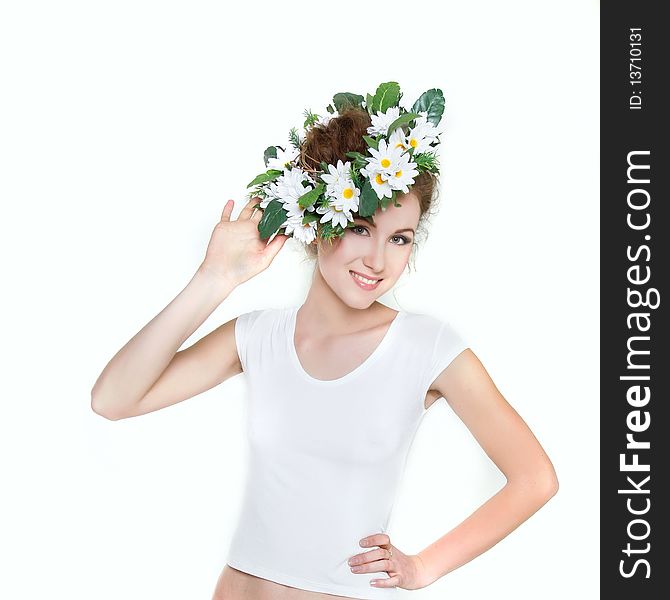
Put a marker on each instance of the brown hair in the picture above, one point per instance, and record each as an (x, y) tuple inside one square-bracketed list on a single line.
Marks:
[(344, 133)]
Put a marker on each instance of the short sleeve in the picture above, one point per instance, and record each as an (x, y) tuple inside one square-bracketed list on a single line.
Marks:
[(243, 331), (447, 346)]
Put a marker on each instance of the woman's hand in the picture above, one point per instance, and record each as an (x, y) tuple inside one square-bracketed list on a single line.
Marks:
[(405, 571), (236, 252)]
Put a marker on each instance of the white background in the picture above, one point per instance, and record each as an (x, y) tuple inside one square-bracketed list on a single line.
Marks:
[(125, 127)]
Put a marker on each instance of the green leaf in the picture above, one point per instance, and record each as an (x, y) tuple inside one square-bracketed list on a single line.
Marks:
[(273, 218), (403, 119), (310, 197), (432, 101), (372, 142), (309, 217), (344, 100), (330, 109), (270, 152), (265, 177), (359, 159), (368, 201), (310, 118), (386, 96), (369, 101)]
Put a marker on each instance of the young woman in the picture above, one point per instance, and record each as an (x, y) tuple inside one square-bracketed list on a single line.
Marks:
[(338, 387)]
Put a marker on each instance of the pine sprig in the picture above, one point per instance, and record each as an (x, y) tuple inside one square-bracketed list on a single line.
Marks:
[(294, 138), (427, 161)]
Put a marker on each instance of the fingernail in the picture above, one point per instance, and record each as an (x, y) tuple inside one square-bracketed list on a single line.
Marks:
[(373, 582)]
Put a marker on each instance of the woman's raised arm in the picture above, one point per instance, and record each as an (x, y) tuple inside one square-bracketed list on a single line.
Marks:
[(148, 373)]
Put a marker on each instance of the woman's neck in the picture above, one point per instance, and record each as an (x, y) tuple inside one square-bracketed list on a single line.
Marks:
[(326, 308)]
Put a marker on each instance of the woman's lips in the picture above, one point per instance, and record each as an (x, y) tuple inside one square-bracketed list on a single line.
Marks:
[(363, 284)]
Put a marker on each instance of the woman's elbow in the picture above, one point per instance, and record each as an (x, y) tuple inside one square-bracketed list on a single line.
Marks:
[(547, 483), (541, 484)]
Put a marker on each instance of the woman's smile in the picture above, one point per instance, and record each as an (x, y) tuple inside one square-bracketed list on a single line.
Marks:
[(364, 282)]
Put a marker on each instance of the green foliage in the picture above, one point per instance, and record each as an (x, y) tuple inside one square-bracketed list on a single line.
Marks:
[(328, 232), (368, 200), (311, 196), (294, 138), (269, 175), (359, 159), (371, 142), (386, 96), (403, 119), (426, 161), (344, 100), (270, 152), (309, 217), (274, 216), (368, 103), (355, 175), (432, 101), (310, 118)]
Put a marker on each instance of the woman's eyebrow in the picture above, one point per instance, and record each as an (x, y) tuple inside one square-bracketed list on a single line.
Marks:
[(397, 231)]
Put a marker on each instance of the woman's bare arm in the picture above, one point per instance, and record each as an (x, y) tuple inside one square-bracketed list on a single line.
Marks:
[(148, 373), (511, 445)]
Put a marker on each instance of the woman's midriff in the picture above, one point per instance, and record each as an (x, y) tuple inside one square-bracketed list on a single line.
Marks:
[(237, 585)]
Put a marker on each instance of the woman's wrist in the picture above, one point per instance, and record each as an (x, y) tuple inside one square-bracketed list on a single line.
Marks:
[(215, 283)]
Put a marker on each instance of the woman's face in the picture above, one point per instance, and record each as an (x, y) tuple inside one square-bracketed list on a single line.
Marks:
[(378, 252)]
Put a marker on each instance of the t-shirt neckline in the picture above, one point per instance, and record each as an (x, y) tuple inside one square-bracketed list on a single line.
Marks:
[(376, 353)]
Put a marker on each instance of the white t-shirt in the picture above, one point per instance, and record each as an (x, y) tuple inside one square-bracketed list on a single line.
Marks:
[(326, 457)]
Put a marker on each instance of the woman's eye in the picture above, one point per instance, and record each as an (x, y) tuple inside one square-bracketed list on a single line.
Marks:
[(355, 227), (403, 238)]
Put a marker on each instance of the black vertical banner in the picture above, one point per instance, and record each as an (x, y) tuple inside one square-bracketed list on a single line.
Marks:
[(635, 360)]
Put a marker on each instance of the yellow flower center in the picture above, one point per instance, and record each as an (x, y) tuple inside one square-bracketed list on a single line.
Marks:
[(386, 163), (413, 142), (398, 173), (348, 193), (378, 179)]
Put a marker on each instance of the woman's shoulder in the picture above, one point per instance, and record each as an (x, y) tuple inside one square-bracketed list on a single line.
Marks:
[(427, 327), (263, 315), (423, 320)]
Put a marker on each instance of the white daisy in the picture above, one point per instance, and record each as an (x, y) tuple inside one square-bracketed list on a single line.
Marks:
[(284, 157), (289, 186), (337, 176), (339, 215), (345, 196), (380, 184), (422, 135), (304, 233), (384, 158), (293, 209), (398, 139), (381, 121), (422, 119), (404, 176)]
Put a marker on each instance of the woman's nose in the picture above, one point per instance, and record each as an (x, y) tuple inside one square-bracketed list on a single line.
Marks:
[(374, 259)]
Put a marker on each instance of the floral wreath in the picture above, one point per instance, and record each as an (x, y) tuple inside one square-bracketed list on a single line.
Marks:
[(307, 202)]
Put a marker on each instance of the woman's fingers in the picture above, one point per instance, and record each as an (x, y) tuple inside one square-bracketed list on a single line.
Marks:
[(227, 210), (275, 246), (248, 210)]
